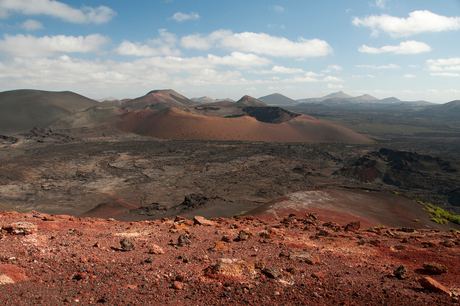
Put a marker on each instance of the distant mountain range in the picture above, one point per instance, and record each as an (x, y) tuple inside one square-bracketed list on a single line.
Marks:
[(23, 110)]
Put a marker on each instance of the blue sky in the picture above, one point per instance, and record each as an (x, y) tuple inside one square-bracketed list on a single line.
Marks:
[(219, 48)]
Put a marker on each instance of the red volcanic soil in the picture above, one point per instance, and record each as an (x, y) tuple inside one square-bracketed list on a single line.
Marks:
[(173, 123), (343, 206), (298, 260)]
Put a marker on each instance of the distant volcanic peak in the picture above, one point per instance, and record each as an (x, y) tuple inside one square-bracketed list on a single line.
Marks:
[(250, 101), (339, 94)]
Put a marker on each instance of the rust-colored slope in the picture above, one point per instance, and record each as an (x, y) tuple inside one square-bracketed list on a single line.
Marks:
[(176, 124)]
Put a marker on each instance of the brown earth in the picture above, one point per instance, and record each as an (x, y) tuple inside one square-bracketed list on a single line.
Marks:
[(173, 123), (298, 260)]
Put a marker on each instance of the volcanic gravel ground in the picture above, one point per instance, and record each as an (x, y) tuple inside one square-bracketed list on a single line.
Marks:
[(76, 176), (299, 260)]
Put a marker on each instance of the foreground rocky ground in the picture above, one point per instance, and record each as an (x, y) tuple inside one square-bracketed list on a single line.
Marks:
[(298, 260)]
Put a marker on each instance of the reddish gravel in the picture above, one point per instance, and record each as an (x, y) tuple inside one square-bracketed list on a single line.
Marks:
[(297, 260)]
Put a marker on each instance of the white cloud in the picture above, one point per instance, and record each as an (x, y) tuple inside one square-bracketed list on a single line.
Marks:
[(448, 74), (180, 17), (444, 64), (86, 14), (390, 66), (68, 73), (414, 66), (278, 9), (417, 22), (165, 44), (332, 79), (259, 43), (262, 43), (407, 47), (312, 77), (380, 4), (409, 76), (31, 46), (32, 25), (280, 70), (332, 67), (239, 59), (334, 86), (200, 42)]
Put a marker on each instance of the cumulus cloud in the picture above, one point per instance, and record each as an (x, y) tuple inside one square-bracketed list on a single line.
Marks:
[(165, 44), (417, 22), (262, 43), (312, 77), (390, 66), (31, 25), (444, 64), (259, 43), (280, 70), (239, 59), (448, 74), (332, 67), (407, 47), (31, 46), (201, 42), (68, 73), (409, 76), (180, 17), (85, 14), (380, 4), (334, 86)]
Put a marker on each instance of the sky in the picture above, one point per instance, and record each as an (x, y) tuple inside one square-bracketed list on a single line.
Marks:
[(227, 49)]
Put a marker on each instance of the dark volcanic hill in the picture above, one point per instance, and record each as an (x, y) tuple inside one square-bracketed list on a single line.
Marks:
[(22, 110), (159, 99), (278, 100)]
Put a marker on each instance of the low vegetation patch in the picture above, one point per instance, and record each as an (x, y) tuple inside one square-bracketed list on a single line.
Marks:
[(439, 215)]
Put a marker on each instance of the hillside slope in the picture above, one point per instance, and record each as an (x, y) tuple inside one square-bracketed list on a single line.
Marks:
[(22, 110)]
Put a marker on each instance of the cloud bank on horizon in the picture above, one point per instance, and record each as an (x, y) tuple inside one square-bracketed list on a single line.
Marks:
[(300, 49)]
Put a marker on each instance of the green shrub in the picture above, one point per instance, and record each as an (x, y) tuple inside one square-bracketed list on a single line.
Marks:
[(416, 220), (453, 230)]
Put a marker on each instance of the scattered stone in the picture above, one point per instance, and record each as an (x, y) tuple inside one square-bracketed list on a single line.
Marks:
[(272, 272), (5, 279), (428, 244), (400, 272), (447, 243), (221, 246), (231, 266), (126, 245), (305, 257), (260, 264), (375, 242), (293, 270), (227, 238), (202, 221), (433, 286), (155, 249), (353, 226), (244, 235), (434, 267), (406, 229), (21, 228), (80, 276), (285, 253), (184, 240), (179, 218), (323, 233), (177, 285), (318, 275)]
